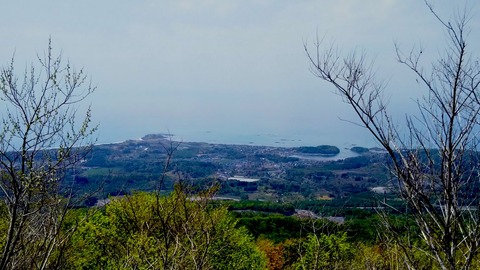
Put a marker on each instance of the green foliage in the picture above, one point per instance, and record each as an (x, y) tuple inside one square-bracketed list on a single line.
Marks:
[(236, 250), (3, 224), (93, 245), (275, 227), (326, 252), (147, 231), (363, 230)]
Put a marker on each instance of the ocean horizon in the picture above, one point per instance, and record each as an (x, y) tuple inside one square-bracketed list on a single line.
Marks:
[(278, 139), (262, 139)]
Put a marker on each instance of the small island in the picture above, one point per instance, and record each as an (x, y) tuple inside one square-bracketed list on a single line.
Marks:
[(324, 150)]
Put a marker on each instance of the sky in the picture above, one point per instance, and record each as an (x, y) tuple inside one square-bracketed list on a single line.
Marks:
[(223, 70)]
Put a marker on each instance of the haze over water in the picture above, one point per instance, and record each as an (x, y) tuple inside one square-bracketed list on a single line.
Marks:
[(264, 139)]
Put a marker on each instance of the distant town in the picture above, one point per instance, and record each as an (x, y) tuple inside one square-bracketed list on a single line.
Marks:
[(242, 171)]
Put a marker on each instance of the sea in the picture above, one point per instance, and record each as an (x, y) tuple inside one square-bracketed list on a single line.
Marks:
[(270, 139), (262, 139), (267, 139)]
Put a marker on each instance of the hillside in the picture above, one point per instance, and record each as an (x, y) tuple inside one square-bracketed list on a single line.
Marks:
[(273, 173)]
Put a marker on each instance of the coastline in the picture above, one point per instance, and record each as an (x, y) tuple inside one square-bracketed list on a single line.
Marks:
[(255, 140)]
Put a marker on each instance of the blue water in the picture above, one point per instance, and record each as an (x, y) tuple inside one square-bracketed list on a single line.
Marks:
[(259, 139)]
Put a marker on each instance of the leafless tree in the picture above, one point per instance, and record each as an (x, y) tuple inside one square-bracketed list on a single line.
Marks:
[(434, 159), (42, 136)]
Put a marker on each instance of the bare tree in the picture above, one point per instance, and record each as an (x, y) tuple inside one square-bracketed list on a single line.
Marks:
[(434, 160), (40, 140)]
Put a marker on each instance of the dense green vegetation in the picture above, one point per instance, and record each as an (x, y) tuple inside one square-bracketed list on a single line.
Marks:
[(148, 231), (189, 230)]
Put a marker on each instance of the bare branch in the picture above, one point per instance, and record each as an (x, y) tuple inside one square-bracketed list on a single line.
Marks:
[(435, 161)]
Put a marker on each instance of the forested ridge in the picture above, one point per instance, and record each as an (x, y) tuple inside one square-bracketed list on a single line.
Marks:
[(190, 230)]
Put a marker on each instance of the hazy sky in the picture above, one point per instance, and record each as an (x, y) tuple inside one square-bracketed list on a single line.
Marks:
[(231, 68)]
